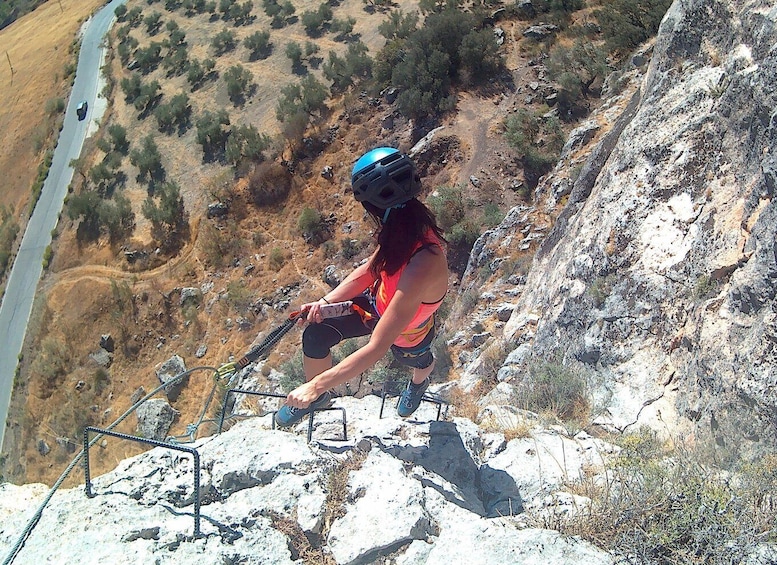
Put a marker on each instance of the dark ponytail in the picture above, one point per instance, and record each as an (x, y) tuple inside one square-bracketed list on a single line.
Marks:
[(404, 227)]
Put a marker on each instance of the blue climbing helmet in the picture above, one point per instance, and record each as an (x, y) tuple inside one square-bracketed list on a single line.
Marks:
[(385, 178)]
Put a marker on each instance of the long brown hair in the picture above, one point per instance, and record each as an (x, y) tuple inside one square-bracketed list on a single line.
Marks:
[(399, 235)]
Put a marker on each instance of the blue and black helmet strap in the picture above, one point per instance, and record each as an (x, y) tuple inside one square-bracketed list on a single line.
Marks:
[(388, 211)]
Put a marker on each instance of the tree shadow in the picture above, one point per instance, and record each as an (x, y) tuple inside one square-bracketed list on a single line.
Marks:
[(299, 69), (349, 38), (260, 54), (239, 99), (184, 126), (155, 177), (498, 83)]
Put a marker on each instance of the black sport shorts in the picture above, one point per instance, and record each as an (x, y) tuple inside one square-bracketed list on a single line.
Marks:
[(318, 339)]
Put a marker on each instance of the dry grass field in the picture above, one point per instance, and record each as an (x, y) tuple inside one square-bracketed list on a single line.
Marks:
[(38, 47)]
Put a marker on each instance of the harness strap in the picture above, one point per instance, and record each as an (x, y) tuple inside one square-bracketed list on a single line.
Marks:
[(417, 334)]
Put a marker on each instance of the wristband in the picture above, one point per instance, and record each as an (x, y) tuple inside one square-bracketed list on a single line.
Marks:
[(325, 300)]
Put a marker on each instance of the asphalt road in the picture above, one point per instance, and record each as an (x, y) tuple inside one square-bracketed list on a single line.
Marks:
[(27, 267)]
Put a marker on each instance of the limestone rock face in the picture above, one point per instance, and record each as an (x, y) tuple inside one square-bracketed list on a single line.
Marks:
[(659, 275), (421, 490)]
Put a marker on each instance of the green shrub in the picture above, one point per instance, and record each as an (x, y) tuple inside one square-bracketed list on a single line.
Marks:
[(307, 98), (176, 113), (168, 217), (176, 61), (349, 248), (9, 229), (447, 203), (551, 388), (43, 172), (663, 504), (463, 235), (212, 133), (258, 45), (329, 248), (627, 23), (705, 287), (245, 143), (277, 258), (347, 71), (50, 365), (424, 65), (492, 215), (292, 373), (55, 106), (313, 21), (312, 226), (47, 254), (539, 140), (148, 160), (239, 297), (223, 42), (221, 246), (239, 82), (467, 302), (380, 374), (576, 68), (342, 28)]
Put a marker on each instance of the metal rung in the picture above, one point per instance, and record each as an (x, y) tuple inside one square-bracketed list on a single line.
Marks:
[(195, 454), (276, 395), (427, 397)]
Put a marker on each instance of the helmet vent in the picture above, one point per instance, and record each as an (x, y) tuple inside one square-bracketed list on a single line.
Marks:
[(385, 180)]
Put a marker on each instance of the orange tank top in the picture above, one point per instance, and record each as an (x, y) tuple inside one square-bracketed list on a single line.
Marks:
[(423, 321)]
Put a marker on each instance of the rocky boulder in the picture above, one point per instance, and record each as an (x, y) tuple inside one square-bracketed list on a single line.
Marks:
[(658, 279), (155, 417), (169, 372), (421, 490)]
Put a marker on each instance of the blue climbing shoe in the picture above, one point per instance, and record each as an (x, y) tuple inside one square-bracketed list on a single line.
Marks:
[(288, 415), (410, 399)]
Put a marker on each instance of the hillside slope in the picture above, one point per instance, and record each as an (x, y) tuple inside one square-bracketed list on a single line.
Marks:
[(248, 267)]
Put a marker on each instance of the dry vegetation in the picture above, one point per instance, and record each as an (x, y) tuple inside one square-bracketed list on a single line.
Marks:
[(40, 74), (258, 252), (248, 266), (35, 79)]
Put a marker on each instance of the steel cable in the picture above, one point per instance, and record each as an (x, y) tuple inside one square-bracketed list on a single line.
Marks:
[(256, 352), (36, 517)]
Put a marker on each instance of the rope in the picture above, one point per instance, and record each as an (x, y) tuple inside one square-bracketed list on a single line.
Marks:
[(262, 349), (191, 429), (257, 352)]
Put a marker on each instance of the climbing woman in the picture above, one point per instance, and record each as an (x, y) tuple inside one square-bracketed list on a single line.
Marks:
[(395, 292)]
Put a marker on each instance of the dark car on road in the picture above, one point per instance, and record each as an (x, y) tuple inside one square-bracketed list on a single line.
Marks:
[(81, 109)]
